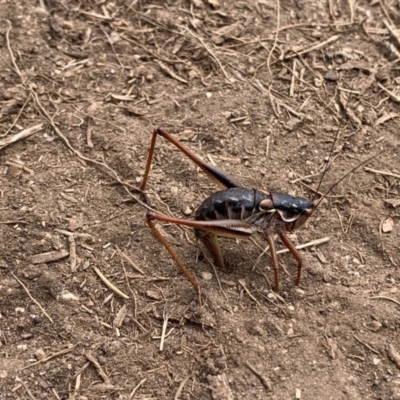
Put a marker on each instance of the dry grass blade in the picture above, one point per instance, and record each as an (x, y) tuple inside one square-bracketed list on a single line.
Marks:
[(21, 135), (109, 284), (33, 299)]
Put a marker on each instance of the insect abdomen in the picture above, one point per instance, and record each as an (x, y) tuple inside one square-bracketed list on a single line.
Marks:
[(235, 203)]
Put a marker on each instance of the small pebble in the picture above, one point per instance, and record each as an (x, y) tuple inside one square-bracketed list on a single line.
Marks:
[(187, 210), (207, 276), (40, 354), (376, 361), (209, 94), (367, 201), (375, 326), (331, 76)]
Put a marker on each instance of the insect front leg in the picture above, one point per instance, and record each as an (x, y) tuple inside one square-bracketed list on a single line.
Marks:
[(274, 258), (286, 241)]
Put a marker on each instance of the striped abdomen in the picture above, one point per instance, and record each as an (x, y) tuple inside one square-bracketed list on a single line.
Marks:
[(235, 203)]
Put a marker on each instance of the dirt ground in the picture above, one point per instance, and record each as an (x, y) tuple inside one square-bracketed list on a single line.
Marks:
[(259, 88)]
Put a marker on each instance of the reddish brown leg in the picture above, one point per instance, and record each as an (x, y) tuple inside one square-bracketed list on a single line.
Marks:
[(149, 160), (211, 243), (274, 259), (223, 180), (226, 228), (286, 241)]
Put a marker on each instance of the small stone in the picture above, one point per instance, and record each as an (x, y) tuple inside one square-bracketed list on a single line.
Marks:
[(290, 332), (209, 95), (32, 308), (299, 291), (327, 278), (393, 290), (3, 374), (227, 114), (375, 326), (20, 310), (207, 276), (376, 361), (68, 296), (331, 76), (22, 347), (367, 201), (291, 308), (316, 34), (40, 354), (187, 210)]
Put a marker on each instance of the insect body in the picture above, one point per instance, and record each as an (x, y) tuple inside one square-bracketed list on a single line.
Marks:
[(234, 212)]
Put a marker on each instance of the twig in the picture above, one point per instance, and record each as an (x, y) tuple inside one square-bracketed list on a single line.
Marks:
[(33, 299), (278, 13), (112, 47), (382, 172), (315, 242), (136, 388), (72, 252), (293, 80), (17, 117), (17, 70), (366, 345), (32, 397), (351, 6), (54, 355), (243, 284), (312, 48), (49, 256), (123, 255), (21, 135), (20, 166), (179, 391), (171, 73), (216, 274), (264, 380), (109, 284), (389, 93), (394, 355), (99, 369), (209, 51), (164, 329), (303, 178), (385, 298)]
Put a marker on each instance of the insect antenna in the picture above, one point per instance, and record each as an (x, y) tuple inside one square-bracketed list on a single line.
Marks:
[(329, 164), (344, 177)]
